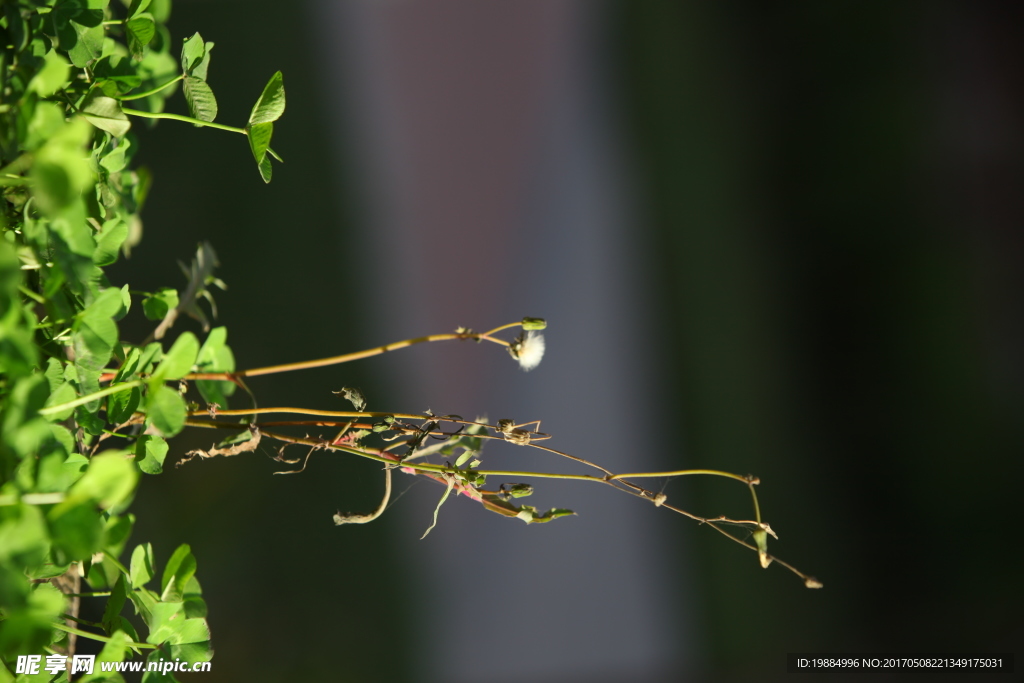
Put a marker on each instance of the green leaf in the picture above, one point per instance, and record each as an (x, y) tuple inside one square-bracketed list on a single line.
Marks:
[(52, 475), (105, 113), (113, 650), (112, 612), (451, 485), (266, 172), (144, 601), (137, 7), (45, 121), (122, 405), (179, 360), (141, 568), (195, 57), (23, 535), (157, 305), (93, 339), (165, 621), (192, 51), (109, 241), (195, 606), (62, 170), (151, 355), (177, 573), (259, 139), (116, 159), (75, 464), (109, 480), (259, 142), (192, 631), (118, 531), (28, 615), (130, 366), (150, 452), (54, 373), (88, 43), (119, 71), (140, 30), (166, 410), (201, 69), (63, 394), (161, 10), (107, 304), (52, 77), (216, 356), (201, 102), (21, 429), (76, 529), (270, 106), (553, 513), (77, 236)]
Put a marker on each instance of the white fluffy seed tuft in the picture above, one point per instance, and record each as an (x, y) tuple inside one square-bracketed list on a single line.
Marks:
[(530, 350)]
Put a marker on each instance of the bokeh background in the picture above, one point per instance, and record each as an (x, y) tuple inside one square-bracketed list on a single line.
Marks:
[(780, 239)]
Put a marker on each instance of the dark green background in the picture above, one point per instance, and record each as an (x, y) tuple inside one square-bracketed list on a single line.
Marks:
[(839, 288)]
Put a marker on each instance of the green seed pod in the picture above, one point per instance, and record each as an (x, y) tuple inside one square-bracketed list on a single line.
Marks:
[(534, 323)]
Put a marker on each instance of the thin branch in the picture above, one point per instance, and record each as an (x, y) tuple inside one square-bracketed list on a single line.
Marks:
[(340, 519)]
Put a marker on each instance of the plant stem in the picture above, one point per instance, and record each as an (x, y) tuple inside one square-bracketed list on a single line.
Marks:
[(757, 508), (31, 295), (97, 636), (324, 413), (679, 473), (82, 400), (186, 119), (614, 480), (78, 620), (139, 96), (32, 499), (358, 355)]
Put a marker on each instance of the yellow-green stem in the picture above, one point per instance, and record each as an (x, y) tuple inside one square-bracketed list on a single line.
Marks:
[(359, 355), (186, 119), (82, 400), (678, 473), (97, 636), (139, 96)]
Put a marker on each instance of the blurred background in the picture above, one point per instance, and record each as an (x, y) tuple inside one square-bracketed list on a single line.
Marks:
[(771, 239)]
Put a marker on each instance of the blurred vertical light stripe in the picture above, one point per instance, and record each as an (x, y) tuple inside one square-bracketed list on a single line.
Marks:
[(493, 188)]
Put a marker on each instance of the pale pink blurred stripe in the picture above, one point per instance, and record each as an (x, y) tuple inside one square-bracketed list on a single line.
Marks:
[(494, 190)]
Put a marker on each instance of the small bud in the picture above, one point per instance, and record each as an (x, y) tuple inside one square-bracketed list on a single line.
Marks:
[(812, 582), (659, 500), (534, 323), (520, 490), (506, 426), (761, 539)]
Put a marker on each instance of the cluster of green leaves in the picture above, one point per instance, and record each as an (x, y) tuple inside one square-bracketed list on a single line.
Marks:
[(68, 382)]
